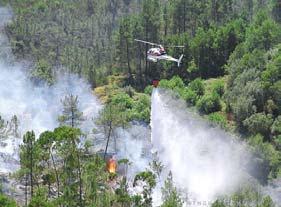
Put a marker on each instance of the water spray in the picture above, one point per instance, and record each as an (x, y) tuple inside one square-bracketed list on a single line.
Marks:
[(206, 162)]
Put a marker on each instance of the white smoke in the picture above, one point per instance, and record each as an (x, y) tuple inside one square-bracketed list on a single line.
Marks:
[(205, 162), (134, 144), (37, 107)]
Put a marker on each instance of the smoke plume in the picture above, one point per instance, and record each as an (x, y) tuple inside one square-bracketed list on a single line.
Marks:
[(36, 107)]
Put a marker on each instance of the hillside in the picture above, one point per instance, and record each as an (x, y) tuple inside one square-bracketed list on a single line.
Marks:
[(230, 75)]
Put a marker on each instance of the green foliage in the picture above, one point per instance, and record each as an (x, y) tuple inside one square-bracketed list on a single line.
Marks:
[(267, 202), (129, 90), (3, 127), (253, 94), (254, 74), (271, 79), (43, 72), (66, 133), (6, 201), (170, 195), (245, 96), (123, 100), (9, 128), (218, 203), (209, 103), (61, 163), (67, 140), (197, 86), (218, 119), (95, 178), (122, 194), (190, 96), (70, 115), (276, 10), (156, 166), (192, 68), (218, 43), (272, 73), (276, 127), (263, 34), (135, 107), (268, 153), (146, 176), (29, 160), (275, 90), (81, 40), (175, 83), (94, 39), (219, 88), (150, 179), (148, 90), (259, 123), (246, 195), (40, 199), (141, 109)]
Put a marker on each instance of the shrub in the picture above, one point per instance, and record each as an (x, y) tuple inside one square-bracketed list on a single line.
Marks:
[(175, 82), (268, 153), (197, 86), (218, 88), (218, 118), (259, 123), (209, 103), (43, 72), (276, 127), (189, 96), (6, 201), (141, 109), (164, 83), (129, 90), (122, 99), (148, 90)]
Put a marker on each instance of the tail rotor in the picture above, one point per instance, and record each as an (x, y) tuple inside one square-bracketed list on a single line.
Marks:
[(180, 60)]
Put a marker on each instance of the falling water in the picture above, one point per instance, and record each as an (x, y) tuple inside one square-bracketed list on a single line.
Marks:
[(206, 162)]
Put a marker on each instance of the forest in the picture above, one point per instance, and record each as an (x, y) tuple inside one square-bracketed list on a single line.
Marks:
[(230, 75)]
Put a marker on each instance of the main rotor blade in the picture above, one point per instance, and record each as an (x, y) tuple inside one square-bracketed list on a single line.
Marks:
[(151, 43), (176, 46)]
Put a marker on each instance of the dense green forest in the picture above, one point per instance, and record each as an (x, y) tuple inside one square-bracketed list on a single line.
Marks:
[(231, 74)]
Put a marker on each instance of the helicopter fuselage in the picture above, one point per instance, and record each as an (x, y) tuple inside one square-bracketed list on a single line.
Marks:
[(155, 54), (158, 53)]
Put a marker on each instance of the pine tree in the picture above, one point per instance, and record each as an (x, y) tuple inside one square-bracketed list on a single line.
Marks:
[(29, 160), (4, 128), (125, 45), (110, 118), (71, 115), (46, 143), (170, 195), (68, 139), (151, 20), (15, 126), (276, 10)]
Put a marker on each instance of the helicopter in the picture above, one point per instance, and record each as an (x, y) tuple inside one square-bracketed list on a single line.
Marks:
[(159, 53)]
